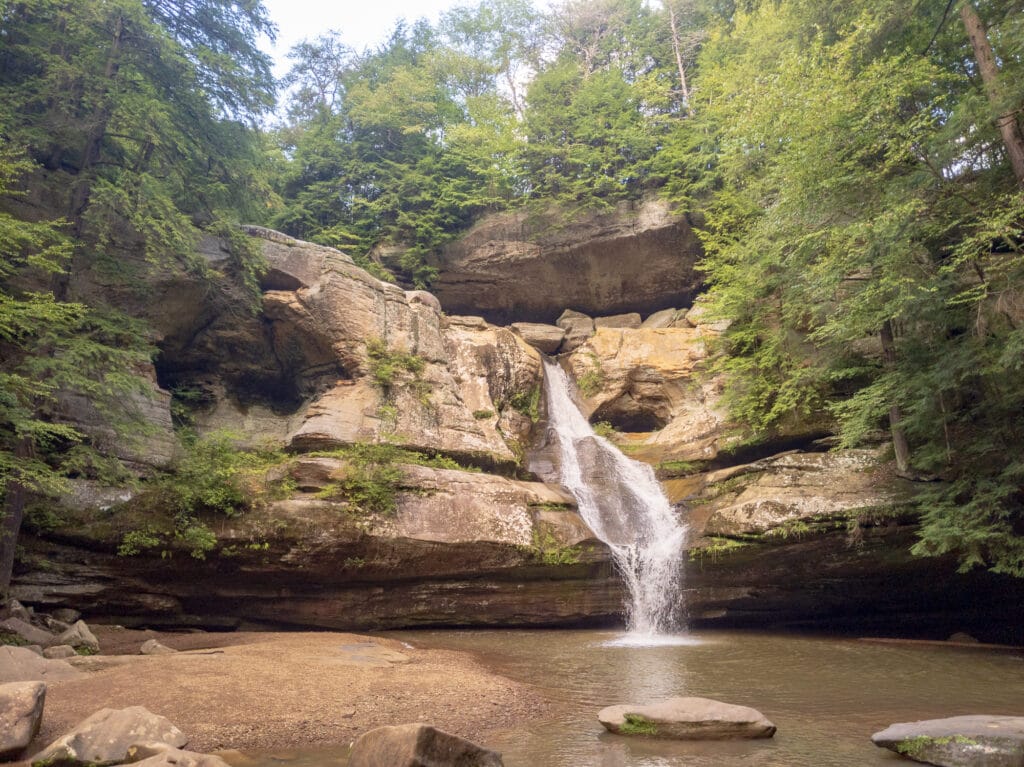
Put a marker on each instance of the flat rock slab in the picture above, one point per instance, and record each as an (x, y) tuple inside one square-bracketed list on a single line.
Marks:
[(21, 711), (106, 737), (687, 719), (959, 741), (367, 654), (418, 745), (18, 664)]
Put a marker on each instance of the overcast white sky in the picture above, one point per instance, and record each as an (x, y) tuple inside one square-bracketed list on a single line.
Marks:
[(362, 23)]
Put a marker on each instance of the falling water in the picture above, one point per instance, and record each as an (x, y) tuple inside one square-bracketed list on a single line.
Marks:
[(626, 508)]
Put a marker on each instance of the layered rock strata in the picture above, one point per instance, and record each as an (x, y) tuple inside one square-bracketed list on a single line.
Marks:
[(528, 265)]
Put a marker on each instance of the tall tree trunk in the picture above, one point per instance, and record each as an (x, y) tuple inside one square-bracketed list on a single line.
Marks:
[(14, 512), (677, 49), (900, 445), (1007, 123)]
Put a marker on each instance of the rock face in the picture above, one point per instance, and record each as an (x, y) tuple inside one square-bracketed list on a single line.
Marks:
[(21, 712), (380, 363), (645, 380), (418, 745), (106, 736), (687, 719), (336, 358), (959, 741), (786, 490), (462, 548), (525, 266)]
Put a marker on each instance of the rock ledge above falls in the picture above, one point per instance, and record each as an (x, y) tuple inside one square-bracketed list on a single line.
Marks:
[(529, 266)]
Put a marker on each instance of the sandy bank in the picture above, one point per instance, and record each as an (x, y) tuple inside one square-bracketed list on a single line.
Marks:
[(257, 691)]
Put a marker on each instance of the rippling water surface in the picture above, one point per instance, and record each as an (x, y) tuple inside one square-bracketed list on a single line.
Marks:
[(827, 696)]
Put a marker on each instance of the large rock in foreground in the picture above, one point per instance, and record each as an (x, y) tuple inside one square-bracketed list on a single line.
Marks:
[(959, 741), (529, 266), (21, 711), (106, 736), (687, 719), (418, 745)]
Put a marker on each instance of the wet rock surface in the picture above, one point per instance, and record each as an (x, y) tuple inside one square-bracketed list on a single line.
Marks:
[(959, 741), (689, 718)]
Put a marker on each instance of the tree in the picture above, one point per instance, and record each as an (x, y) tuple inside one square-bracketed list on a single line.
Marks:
[(48, 347), (865, 242), (1006, 113), (143, 105), (413, 148)]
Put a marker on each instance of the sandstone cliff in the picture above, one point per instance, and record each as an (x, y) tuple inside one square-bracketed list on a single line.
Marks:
[(785, 533), (530, 265)]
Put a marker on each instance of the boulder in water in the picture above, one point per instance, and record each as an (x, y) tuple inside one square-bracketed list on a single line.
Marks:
[(687, 719), (418, 745), (958, 741)]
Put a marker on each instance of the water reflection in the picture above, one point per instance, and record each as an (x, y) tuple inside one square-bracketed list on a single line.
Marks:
[(646, 673), (826, 696)]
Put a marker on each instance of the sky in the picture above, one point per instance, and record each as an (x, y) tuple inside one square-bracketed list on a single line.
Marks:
[(362, 23)]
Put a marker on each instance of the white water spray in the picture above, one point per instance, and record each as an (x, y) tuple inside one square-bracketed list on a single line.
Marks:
[(624, 505)]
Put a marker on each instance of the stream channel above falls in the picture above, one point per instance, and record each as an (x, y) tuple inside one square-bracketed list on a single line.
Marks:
[(825, 695)]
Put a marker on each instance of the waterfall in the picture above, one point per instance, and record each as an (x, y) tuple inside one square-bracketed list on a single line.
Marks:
[(624, 505)]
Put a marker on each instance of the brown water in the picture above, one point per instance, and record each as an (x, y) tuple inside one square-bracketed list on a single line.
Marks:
[(827, 696)]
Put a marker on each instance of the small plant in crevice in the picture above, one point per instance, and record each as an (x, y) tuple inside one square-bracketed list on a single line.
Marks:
[(371, 482), (550, 551), (678, 468), (186, 400), (527, 403), (388, 367), (713, 548), (592, 380), (373, 476)]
